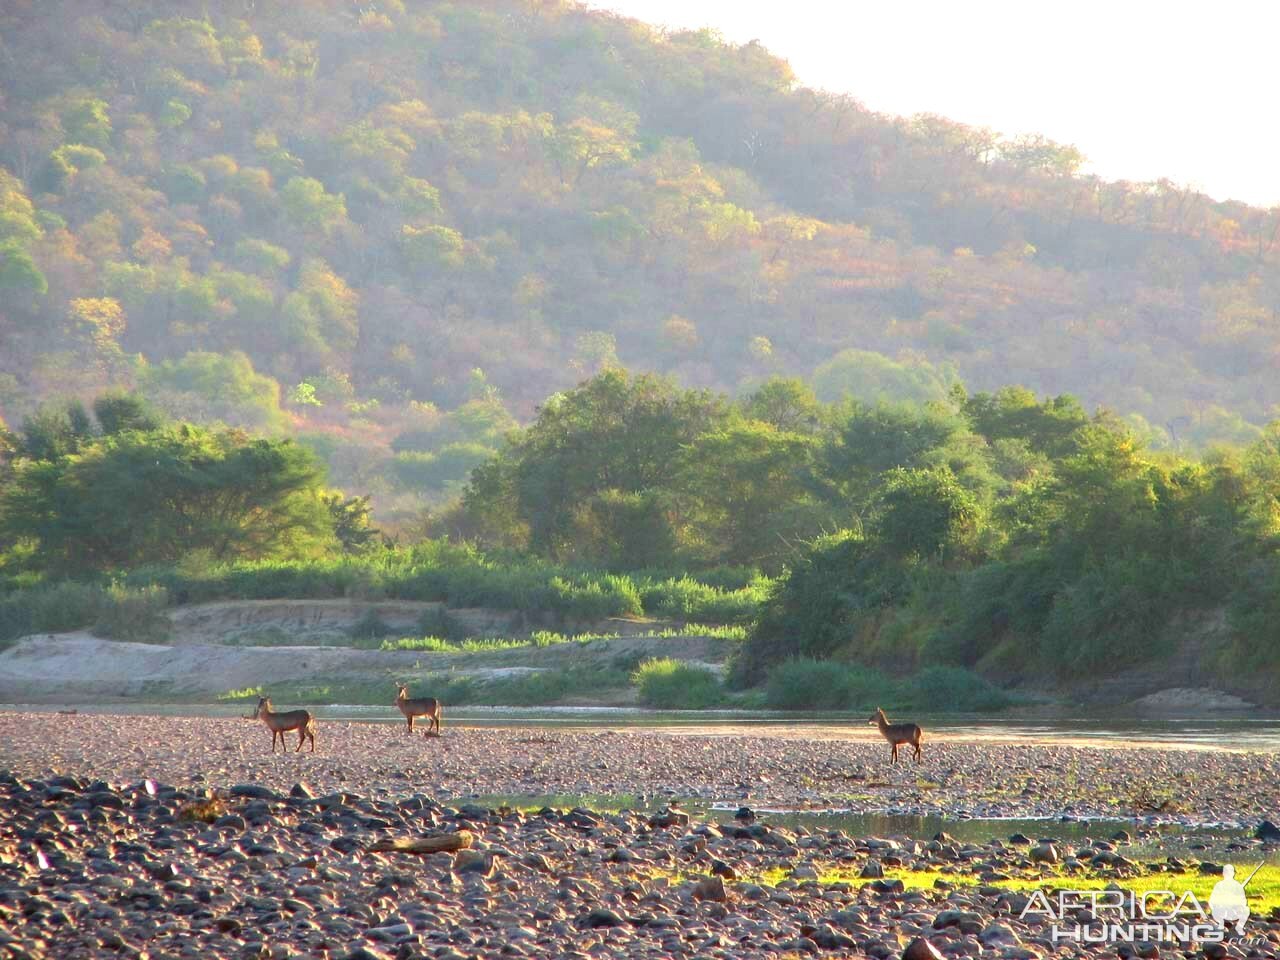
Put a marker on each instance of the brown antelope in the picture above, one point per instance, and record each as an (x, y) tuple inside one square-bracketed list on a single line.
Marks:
[(428, 707), (897, 733), (281, 723)]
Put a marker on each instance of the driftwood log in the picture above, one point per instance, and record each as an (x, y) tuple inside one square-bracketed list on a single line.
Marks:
[(441, 843)]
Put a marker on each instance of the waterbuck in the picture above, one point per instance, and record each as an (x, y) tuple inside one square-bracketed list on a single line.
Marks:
[(281, 723), (897, 733), (428, 707)]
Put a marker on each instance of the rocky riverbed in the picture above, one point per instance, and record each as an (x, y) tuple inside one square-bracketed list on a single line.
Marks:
[(138, 837), (957, 778)]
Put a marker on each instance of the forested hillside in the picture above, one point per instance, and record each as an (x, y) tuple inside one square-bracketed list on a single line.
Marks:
[(393, 229)]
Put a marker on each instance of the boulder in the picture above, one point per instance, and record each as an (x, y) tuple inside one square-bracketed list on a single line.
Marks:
[(921, 949), (1267, 832), (1044, 853)]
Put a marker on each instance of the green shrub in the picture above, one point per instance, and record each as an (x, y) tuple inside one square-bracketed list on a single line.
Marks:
[(530, 689), (439, 622), (947, 689), (806, 684), (449, 574), (134, 614), (684, 598), (50, 609), (369, 627), (1111, 617), (675, 685)]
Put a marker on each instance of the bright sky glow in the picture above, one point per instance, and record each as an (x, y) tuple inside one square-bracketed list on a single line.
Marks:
[(1184, 90)]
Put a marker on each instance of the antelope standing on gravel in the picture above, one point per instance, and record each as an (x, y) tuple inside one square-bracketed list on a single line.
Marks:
[(281, 723), (897, 733), (428, 707)]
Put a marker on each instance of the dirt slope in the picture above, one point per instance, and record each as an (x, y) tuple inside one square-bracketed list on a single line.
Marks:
[(212, 652)]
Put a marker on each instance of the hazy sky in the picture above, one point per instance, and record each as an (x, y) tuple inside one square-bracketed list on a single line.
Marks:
[(1189, 91)]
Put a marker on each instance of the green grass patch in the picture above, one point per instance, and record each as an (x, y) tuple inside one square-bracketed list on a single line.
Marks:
[(242, 693), (1263, 891), (440, 645)]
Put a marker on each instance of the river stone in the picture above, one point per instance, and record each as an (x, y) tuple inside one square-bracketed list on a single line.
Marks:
[(669, 818), (921, 949), (1044, 853), (872, 870), (1268, 832), (390, 933), (965, 920), (722, 869), (601, 917), (887, 886), (999, 935), (365, 953), (829, 939), (254, 791), (710, 888)]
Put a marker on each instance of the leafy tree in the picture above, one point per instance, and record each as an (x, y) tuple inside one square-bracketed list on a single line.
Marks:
[(136, 498), (86, 121), (1013, 413), (119, 410), (213, 386), (350, 519), (432, 247), (873, 378), (787, 403), (307, 204), (261, 256), (615, 432), (19, 276), (925, 514), (748, 493), (873, 440), (100, 320), (55, 430), (814, 612)]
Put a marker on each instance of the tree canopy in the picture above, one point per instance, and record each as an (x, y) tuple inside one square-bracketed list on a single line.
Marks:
[(315, 219)]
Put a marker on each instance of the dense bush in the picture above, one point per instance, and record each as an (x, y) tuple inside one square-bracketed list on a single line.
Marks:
[(459, 577), (114, 611), (684, 598), (138, 615), (951, 689), (436, 571), (805, 684), (675, 685), (50, 609)]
